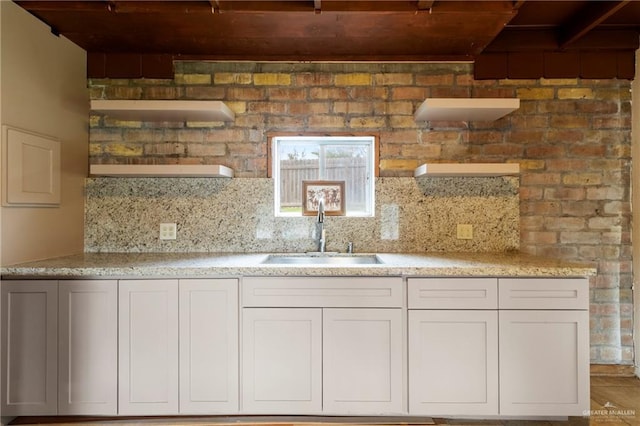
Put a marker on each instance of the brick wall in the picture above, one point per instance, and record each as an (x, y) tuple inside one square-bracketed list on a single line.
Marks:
[(572, 138)]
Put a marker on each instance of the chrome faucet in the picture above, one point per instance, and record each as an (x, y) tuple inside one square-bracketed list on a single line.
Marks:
[(321, 235)]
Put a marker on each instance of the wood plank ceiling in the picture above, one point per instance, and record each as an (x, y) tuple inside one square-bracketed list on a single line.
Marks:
[(505, 39)]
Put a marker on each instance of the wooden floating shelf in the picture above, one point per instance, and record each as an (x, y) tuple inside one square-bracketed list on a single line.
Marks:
[(140, 110), (467, 169), (461, 109), (160, 170)]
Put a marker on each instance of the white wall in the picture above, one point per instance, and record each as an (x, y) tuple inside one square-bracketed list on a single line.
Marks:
[(44, 89), (635, 180)]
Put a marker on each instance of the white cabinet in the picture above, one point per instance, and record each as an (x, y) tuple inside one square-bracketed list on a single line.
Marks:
[(322, 345), (453, 361), (209, 346), (88, 348), (148, 347), (29, 348), (362, 361), (453, 353), (282, 360), (548, 350)]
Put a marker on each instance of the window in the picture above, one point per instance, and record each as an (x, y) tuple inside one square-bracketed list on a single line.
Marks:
[(345, 158)]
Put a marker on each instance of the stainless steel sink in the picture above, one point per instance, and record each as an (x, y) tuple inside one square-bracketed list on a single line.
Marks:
[(347, 259)]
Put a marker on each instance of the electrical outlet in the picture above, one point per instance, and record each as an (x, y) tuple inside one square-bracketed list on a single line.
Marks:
[(465, 231), (168, 231)]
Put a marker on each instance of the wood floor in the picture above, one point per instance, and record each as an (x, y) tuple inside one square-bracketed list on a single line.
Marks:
[(614, 401)]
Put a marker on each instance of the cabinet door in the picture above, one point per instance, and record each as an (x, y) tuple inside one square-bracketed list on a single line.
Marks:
[(148, 347), (453, 362), (29, 348), (549, 352), (281, 362), (209, 346), (362, 361), (88, 348)]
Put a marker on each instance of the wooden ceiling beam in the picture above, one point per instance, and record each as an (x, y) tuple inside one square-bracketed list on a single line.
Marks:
[(517, 4), (155, 6), (71, 6), (515, 40), (589, 17)]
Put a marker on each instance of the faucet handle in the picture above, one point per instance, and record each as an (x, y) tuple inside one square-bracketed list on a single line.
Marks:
[(350, 247)]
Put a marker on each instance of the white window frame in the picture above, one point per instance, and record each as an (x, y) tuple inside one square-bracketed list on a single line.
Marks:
[(328, 140)]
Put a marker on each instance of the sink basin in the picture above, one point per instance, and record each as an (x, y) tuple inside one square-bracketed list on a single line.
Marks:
[(348, 259)]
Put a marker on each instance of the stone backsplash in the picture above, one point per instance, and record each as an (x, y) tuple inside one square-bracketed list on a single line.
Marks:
[(237, 215)]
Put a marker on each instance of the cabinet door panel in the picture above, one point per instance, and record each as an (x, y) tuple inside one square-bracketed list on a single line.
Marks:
[(148, 347), (362, 361), (453, 362), (88, 343), (209, 346), (30, 350), (547, 350), (282, 366)]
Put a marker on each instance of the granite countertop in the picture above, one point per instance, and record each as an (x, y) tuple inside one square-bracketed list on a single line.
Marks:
[(201, 265)]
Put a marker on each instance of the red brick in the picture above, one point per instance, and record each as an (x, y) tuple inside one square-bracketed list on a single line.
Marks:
[(368, 93), (544, 151), (540, 179), (245, 94), (226, 135), (309, 108), (572, 194), (580, 208), (504, 150), (531, 223), (526, 136), (539, 237), (566, 164), (207, 92), (530, 193), (415, 93), (267, 107), (587, 150), (569, 121), (597, 106), (286, 94), (283, 122), (564, 223), (611, 122), (330, 93), (450, 92), (606, 193), (441, 136), (543, 208), (162, 92), (435, 80), (485, 137), (527, 122), (558, 252), (313, 79), (580, 238), (565, 136)]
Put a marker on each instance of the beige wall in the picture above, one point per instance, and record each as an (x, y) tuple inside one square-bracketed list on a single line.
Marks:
[(43, 85)]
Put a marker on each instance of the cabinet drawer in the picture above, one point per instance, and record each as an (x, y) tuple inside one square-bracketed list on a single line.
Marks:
[(453, 293), (330, 292), (543, 293)]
